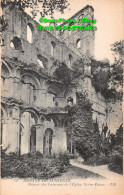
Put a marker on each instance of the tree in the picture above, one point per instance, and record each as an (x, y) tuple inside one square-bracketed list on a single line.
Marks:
[(106, 78), (62, 73), (116, 80), (45, 7), (85, 138)]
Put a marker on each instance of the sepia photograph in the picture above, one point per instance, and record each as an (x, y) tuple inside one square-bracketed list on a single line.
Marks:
[(61, 90)]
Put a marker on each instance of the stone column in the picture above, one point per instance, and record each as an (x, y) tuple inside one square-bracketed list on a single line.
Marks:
[(6, 87), (13, 127), (16, 88), (39, 138), (14, 136), (53, 144), (4, 134), (11, 87), (64, 140)]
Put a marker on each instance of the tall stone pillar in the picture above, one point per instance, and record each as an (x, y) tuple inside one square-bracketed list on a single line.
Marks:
[(6, 87), (14, 125), (39, 138), (16, 88), (53, 144), (4, 134), (14, 136), (64, 140), (11, 92)]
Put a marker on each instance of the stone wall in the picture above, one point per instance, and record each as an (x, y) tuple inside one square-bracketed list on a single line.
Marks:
[(32, 101)]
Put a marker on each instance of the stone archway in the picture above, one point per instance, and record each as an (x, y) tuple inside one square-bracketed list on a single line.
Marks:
[(28, 131), (47, 142)]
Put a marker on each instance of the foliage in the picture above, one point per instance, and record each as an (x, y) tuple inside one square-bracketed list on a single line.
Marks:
[(33, 165), (45, 7), (106, 78), (85, 139), (116, 80), (100, 81), (77, 69), (116, 164), (118, 50), (62, 73), (117, 151)]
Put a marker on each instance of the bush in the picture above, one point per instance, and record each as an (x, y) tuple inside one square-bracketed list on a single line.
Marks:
[(62, 161), (116, 164), (97, 160), (33, 165)]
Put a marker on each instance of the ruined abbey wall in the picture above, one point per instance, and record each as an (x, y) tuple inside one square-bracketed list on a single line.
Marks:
[(33, 103)]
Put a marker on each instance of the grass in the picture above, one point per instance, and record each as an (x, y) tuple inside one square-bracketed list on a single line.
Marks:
[(78, 173)]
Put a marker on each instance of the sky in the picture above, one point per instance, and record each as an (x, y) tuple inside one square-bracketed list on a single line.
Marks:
[(110, 23)]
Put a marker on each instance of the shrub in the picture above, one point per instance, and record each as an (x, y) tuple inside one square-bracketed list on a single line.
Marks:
[(116, 164), (62, 161), (97, 160), (33, 165)]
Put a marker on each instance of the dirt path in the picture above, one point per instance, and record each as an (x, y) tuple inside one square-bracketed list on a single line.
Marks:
[(100, 170)]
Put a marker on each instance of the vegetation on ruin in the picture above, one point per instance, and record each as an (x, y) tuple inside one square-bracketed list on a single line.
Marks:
[(85, 138), (94, 147), (45, 7), (33, 165), (62, 73), (116, 163), (108, 79)]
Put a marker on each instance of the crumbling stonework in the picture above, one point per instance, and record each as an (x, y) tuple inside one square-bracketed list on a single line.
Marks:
[(33, 103)]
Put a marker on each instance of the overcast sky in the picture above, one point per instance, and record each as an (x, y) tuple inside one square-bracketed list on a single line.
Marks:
[(110, 23)]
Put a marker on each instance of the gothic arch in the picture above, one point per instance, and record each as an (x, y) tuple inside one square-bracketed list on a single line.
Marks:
[(53, 90), (4, 110), (54, 118), (28, 78), (30, 32), (5, 69), (32, 112)]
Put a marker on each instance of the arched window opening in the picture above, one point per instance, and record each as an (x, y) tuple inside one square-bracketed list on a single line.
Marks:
[(12, 44), (40, 63), (16, 43), (29, 33), (53, 45), (30, 84), (78, 43), (70, 60), (80, 17)]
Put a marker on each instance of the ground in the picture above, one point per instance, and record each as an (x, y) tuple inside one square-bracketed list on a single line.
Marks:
[(78, 170)]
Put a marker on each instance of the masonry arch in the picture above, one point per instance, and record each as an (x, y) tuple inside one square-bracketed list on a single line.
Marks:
[(30, 84), (53, 46), (5, 69), (5, 75), (30, 32), (27, 133), (78, 43), (53, 90), (51, 118)]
